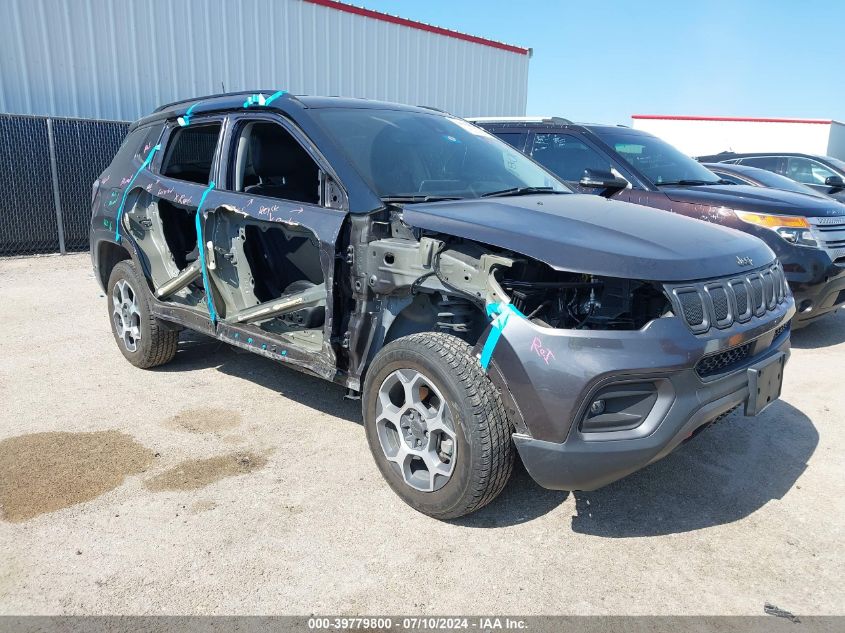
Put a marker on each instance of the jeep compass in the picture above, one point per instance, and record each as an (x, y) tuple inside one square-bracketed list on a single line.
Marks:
[(474, 303)]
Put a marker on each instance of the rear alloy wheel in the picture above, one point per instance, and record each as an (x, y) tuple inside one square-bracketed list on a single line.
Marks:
[(436, 426), (126, 315), (144, 340)]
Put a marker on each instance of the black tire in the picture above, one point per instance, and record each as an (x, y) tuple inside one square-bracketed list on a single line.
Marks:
[(484, 450), (157, 342)]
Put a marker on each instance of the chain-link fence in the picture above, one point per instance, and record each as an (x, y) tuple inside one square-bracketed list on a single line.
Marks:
[(47, 167)]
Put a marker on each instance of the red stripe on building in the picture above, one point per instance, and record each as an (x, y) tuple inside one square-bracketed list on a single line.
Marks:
[(421, 26), (670, 117)]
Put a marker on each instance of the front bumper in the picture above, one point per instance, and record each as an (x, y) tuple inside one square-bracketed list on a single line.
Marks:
[(816, 281), (553, 376), (818, 291)]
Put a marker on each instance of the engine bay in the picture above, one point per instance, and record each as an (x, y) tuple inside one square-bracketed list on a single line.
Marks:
[(566, 300)]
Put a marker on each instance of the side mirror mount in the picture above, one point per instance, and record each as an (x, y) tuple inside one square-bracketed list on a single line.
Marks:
[(834, 181), (609, 184)]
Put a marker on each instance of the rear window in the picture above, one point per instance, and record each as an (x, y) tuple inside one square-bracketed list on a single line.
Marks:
[(838, 164), (769, 163), (514, 139), (136, 144), (190, 153)]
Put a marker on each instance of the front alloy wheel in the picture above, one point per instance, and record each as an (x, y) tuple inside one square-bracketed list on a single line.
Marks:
[(436, 425), (415, 430)]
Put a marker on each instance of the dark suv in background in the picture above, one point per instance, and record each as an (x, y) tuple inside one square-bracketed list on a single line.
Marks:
[(825, 174), (807, 233)]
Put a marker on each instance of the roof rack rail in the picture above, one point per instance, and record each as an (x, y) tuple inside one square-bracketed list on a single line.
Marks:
[(521, 119), (428, 107), (207, 97)]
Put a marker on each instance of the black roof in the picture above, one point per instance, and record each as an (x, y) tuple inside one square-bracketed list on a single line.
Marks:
[(278, 100), (547, 123), (222, 97), (728, 155)]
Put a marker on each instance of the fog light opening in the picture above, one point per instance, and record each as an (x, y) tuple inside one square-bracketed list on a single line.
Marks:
[(619, 407), (805, 306)]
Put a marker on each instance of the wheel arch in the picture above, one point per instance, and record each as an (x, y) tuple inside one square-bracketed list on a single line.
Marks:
[(425, 312), (109, 254), (436, 312), (415, 318)]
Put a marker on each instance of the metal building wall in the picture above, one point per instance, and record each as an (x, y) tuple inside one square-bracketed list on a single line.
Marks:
[(119, 59)]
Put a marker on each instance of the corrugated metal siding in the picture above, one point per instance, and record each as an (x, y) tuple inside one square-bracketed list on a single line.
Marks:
[(119, 59)]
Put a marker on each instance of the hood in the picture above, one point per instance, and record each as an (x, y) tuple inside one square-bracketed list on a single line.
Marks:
[(757, 199), (590, 234)]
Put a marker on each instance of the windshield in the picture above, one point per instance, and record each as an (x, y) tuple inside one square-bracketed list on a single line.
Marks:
[(840, 165), (404, 154), (776, 181), (658, 161)]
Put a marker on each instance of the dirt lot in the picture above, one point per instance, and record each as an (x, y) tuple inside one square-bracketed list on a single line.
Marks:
[(223, 483)]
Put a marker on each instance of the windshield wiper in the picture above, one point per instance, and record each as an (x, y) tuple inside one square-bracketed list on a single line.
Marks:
[(410, 199), (688, 183), (519, 191)]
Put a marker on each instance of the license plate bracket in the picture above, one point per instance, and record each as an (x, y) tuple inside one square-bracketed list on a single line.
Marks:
[(765, 380)]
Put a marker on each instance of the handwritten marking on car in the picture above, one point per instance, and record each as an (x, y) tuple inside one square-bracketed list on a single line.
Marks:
[(542, 352)]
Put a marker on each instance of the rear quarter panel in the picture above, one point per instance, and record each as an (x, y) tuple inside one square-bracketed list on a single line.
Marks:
[(110, 187)]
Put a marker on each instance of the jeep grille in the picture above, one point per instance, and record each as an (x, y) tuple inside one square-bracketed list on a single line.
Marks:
[(723, 302)]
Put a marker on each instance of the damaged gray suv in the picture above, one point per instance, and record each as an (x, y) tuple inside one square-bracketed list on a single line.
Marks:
[(476, 305)]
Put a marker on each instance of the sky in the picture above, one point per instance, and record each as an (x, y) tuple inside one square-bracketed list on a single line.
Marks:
[(603, 61)]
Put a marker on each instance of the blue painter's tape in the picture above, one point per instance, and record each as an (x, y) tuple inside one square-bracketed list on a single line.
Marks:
[(128, 188), (185, 119), (274, 96), (502, 313), (260, 100), (201, 248)]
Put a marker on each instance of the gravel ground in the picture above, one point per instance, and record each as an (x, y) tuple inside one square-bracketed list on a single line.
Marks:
[(223, 483)]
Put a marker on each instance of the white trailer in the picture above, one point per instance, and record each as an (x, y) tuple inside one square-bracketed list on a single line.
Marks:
[(703, 135)]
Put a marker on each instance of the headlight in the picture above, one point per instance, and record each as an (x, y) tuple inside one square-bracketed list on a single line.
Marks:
[(793, 229)]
